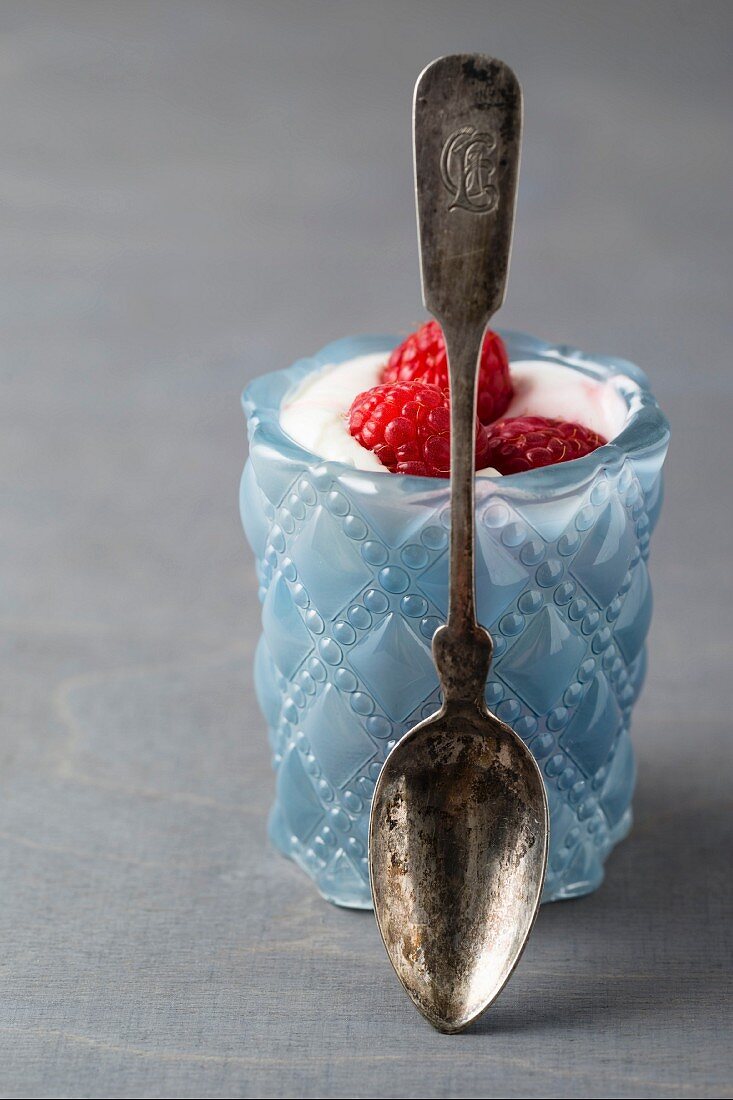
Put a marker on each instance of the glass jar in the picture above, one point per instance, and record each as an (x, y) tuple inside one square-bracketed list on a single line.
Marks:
[(353, 576)]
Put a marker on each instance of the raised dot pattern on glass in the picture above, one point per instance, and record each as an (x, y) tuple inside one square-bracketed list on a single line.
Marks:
[(353, 580)]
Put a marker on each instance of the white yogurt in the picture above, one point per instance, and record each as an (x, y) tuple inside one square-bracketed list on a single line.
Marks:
[(315, 413)]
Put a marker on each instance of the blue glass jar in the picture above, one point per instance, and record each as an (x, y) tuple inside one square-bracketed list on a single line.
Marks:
[(353, 576)]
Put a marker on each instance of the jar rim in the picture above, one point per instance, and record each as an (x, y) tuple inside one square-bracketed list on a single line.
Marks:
[(644, 437)]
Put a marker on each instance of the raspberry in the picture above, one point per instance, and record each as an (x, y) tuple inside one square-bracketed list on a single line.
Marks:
[(422, 357), (407, 426), (526, 442)]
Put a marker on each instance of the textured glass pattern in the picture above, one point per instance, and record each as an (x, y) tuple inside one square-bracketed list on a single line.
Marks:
[(352, 568)]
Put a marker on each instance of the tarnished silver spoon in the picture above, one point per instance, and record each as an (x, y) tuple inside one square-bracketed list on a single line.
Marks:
[(459, 822)]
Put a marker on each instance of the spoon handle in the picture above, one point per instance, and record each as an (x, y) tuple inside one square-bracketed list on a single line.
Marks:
[(467, 132)]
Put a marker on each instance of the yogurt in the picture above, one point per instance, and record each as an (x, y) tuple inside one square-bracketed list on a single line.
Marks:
[(315, 413)]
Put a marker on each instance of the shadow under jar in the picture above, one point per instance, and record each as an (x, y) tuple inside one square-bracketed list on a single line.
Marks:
[(353, 574)]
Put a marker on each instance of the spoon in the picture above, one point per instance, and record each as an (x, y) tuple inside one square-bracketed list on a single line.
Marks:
[(459, 822)]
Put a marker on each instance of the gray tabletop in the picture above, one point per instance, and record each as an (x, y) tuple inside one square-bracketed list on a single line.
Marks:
[(192, 194)]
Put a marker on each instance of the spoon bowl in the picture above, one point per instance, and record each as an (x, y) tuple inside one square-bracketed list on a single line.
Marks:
[(458, 847)]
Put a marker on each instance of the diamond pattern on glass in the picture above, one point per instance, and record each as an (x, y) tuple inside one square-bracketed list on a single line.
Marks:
[(300, 804), (583, 872), (543, 659), (339, 742), (602, 561), (329, 565), (550, 518), (592, 730), (619, 784), (274, 476), (255, 522), (268, 695), (391, 646), (635, 615), (562, 818), (653, 498), (499, 580), (287, 636), (340, 879), (394, 517)]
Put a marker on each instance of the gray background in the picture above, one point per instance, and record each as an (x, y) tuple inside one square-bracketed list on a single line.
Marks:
[(191, 194)]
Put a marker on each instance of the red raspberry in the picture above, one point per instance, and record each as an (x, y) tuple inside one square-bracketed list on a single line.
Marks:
[(526, 442), (422, 356), (407, 425)]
